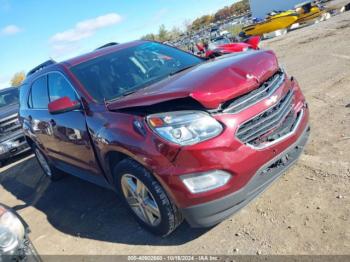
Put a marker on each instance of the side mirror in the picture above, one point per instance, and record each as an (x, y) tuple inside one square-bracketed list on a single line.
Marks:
[(62, 105)]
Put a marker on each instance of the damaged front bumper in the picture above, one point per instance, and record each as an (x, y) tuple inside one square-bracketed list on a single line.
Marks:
[(213, 212)]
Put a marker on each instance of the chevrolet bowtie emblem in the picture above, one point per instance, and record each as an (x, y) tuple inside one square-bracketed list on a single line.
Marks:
[(272, 100), (250, 77)]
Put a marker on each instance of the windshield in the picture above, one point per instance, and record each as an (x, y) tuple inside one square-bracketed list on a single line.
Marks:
[(8, 97), (219, 41), (128, 70)]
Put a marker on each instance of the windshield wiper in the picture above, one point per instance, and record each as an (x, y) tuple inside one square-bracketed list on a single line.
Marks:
[(118, 97), (129, 92), (180, 70)]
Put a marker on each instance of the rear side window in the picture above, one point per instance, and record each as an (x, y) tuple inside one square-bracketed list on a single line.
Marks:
[(39, 98), (23, 90), (60, 87)]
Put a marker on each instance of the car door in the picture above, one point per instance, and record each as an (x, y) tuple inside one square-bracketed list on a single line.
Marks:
[(69, 143)]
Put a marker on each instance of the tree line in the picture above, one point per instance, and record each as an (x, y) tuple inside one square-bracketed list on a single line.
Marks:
[(235, 9)]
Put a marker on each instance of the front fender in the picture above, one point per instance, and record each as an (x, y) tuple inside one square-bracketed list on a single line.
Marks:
[(117, 132)]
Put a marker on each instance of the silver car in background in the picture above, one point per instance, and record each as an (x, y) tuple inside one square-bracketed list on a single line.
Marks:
[(12, 140)]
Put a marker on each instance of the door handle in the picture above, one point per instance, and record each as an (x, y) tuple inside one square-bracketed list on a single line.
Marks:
[(52, 122)]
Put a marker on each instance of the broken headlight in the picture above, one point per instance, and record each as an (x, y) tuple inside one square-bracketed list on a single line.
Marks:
[(11, 232), (184, 127)]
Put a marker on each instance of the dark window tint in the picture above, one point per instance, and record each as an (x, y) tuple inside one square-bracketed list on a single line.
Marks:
[(39, 96), (60, 87)]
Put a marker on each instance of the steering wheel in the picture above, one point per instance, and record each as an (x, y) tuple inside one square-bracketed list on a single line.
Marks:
[(153, 71)]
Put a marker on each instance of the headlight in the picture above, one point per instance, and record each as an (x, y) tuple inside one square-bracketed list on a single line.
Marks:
[(245, 49), (206, 181), (3, 148), (184, 127), (11, 231), (8, 241)]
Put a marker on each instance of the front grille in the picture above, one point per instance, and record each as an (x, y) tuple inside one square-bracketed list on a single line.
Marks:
[(9, 124), (270, 124), (247, 100)]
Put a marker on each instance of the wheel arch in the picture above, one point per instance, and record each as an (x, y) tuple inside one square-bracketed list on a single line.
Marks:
[(113, 157)]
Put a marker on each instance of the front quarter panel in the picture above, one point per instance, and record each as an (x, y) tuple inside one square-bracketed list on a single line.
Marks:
[(116, 132)]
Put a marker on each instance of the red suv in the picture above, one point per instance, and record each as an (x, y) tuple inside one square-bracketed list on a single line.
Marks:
[(176, 136)]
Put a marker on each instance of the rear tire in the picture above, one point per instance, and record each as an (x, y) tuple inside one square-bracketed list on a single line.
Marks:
[(49, 171), (145, 198)]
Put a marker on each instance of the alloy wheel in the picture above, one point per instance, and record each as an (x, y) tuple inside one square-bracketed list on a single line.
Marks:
[(140, 200)]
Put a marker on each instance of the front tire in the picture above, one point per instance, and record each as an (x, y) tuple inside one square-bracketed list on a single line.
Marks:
[(145, 198)]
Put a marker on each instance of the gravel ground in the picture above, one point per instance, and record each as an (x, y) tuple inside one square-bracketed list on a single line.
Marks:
[(307, 211)]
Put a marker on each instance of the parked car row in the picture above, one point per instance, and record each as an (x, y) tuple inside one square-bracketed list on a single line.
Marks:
[(222, 45), (176, 136), (275, 23), (205, 34)]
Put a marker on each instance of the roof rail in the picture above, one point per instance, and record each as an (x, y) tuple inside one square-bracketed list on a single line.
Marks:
[(41, 66), (107, 45)]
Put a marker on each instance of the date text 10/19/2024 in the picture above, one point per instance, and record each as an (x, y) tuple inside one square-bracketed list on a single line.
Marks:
[(173, 258)]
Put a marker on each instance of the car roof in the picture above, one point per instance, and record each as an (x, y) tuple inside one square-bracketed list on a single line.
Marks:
[(100, 52), (8, 89)]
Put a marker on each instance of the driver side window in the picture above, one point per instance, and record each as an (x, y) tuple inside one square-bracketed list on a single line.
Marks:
[(60, 87)]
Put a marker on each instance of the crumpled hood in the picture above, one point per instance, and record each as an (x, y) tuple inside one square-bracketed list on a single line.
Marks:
[(210, 83)]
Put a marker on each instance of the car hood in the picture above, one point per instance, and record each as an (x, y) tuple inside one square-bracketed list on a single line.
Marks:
[(8, 110), (210, 83)]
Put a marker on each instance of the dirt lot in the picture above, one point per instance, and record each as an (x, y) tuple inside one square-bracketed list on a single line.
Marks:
[(307, 211)]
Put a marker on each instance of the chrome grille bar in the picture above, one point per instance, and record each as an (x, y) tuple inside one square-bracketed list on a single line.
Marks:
[(255, 96), (9, 124), (6, 119), (266, 121)]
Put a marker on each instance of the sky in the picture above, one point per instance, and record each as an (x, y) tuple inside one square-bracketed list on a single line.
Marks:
[(33, 31)]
